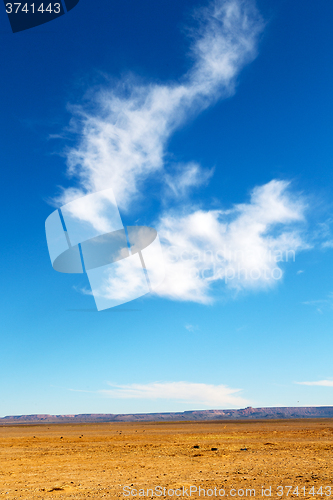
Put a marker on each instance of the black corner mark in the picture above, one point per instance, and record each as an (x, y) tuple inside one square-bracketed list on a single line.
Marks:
[(70, 4), (23, 16), (26, 15)]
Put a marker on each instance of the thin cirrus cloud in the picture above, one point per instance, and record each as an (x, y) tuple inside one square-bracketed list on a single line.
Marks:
[(321, 305), (186, 392), (186, 177), (320, 383)]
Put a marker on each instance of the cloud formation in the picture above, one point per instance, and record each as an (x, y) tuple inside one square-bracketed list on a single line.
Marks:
[(245, 247), (123, 133), (122, 142), (187, 392)]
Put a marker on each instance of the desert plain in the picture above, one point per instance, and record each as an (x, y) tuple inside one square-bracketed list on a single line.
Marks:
[(224, 458)]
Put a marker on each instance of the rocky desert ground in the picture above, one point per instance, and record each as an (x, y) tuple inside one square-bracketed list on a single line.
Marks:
[(214, 459)]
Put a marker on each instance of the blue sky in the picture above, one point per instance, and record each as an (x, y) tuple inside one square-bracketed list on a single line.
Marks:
[(242, 161)]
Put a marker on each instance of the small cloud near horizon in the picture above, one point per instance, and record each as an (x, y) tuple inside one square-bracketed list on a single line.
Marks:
[(320, 383), (189, 392)]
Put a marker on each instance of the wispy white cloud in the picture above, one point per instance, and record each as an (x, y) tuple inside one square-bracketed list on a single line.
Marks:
[(191, 328), (327, 244), (124, 131), (186, 177), (245, 247), (321, 304), (322, 383), (189, 392), (322, 234)]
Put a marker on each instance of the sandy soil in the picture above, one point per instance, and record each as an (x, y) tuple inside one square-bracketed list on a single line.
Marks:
[(98, 460)]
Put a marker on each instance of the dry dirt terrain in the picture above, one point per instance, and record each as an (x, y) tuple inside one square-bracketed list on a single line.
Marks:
[(224, 459)]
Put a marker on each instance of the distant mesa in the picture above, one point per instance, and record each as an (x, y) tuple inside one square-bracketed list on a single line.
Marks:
[(196, 415)]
